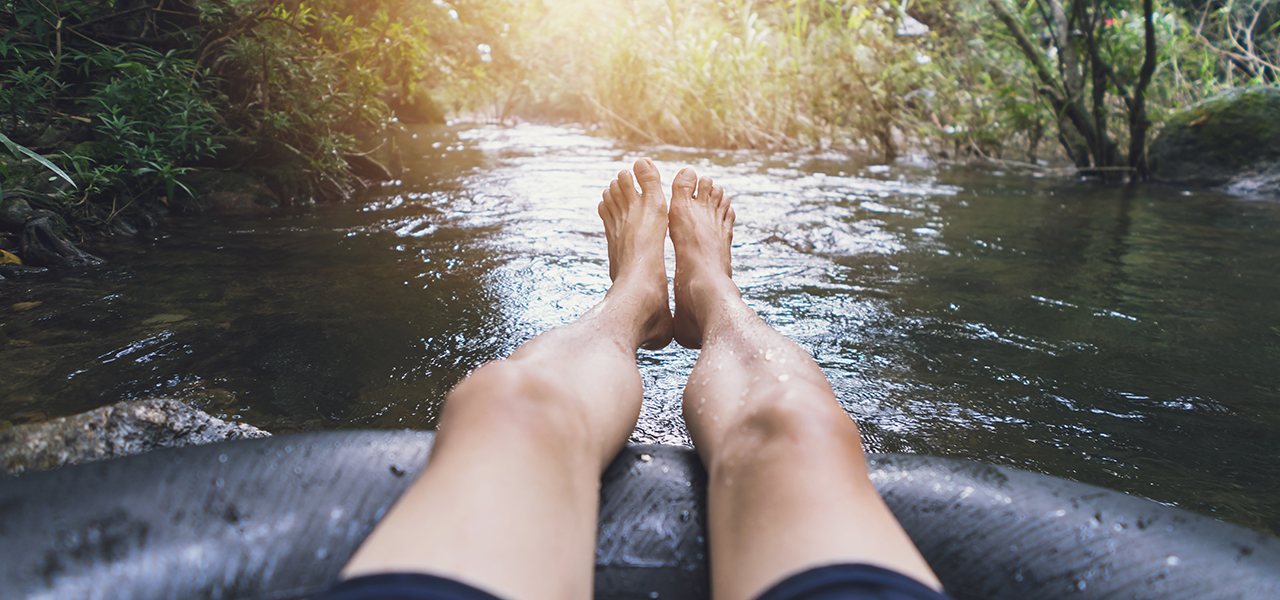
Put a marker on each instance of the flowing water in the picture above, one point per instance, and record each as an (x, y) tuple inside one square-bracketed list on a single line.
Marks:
[(1124, 339)]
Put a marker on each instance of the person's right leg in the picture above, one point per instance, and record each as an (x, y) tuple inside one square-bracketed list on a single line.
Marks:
[(787, 478), (509, 501)]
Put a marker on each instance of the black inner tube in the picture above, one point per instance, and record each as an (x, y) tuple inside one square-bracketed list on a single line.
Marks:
[(278, 517)]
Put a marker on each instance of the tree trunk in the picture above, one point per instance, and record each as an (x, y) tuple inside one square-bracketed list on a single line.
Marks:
[(1138, 123), (1104, 150), (1069, 109)]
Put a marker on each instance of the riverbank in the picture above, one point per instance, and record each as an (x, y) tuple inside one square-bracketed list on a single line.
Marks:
[(136, 106)]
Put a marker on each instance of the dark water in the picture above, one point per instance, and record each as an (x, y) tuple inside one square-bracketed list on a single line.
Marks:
[(1130, 340)]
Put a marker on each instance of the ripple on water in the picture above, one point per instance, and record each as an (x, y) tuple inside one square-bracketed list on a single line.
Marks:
[(1126, 341)]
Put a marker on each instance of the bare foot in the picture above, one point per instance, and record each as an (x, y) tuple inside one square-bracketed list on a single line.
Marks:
[(702, 233), (636, 226)]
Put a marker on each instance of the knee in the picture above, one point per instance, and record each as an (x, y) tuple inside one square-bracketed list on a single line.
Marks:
[(518, 395), (797, 421)]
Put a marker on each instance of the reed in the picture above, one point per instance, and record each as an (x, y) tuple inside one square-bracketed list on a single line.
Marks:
[(732, 73), (820, 73)]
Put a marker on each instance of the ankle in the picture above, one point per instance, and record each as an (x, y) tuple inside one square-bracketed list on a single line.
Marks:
[(712, 297)]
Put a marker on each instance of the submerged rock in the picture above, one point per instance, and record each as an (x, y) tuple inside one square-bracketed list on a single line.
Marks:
[(1230, 140), (112, 431), (15, 270)]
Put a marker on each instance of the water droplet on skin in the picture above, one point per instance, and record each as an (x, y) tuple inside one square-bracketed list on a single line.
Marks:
[(645, 458), (702, 400), (218, 482), (783, 377), (222, 458), (742, 403), (768, 354), (699, 411)]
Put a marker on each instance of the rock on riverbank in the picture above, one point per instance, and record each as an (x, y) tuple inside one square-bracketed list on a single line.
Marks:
[(1231, 140), (113, 431)]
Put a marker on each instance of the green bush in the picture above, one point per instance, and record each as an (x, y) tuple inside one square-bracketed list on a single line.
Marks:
[(160, 85)]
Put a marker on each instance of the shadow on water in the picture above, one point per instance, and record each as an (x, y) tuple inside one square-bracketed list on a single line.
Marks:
[(1125, 338), (307, 319)]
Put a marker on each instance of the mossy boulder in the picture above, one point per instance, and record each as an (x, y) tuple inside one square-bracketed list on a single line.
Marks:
[(100, 152), (1229, 140), (230, 191), (120, 429)]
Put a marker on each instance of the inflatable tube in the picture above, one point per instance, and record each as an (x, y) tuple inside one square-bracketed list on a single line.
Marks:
[(278, 517)]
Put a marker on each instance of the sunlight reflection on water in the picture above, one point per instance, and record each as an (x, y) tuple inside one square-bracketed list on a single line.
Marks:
[(790, 222)]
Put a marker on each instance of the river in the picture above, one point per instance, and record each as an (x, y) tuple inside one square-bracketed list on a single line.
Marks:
[(1128, 339)]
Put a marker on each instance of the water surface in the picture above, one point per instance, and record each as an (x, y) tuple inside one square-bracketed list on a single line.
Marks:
[(1129, 339)]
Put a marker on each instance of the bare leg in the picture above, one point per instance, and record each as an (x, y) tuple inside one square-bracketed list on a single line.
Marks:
[(787, 479), (509, 500)]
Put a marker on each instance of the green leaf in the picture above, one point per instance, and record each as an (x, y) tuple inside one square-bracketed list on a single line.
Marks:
[(18, 151)]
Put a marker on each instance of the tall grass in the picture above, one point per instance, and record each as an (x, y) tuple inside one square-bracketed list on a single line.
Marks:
[(697, 79), (825, 73), (731, 73)]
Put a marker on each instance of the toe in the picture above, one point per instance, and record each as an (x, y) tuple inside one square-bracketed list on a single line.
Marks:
[(648, 176), (626, 185), (683, 184), (704, 189), (719, 201)]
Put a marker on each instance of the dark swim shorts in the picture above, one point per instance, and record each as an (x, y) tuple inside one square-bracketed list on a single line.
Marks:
[(851, 582), (836, 582)]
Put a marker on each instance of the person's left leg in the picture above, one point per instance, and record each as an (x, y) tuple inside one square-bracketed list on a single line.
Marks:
[(509, 500)]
